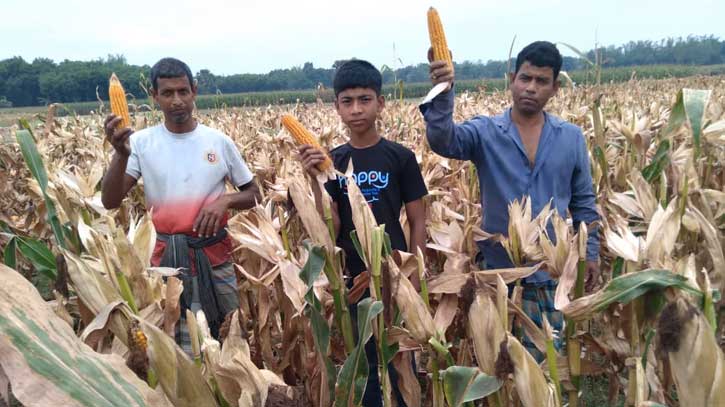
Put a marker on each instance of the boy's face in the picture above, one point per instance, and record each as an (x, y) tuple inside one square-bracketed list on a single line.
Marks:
[(359, 108)]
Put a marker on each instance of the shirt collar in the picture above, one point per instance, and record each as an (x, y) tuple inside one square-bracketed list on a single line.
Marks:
[(503, 121)]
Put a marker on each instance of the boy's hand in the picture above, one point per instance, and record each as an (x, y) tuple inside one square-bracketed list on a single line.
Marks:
[(440, 71), (117, 137), (310, 157)]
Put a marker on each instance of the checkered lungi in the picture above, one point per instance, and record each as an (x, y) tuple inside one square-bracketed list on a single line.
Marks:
[(537, 303), (225, 288)]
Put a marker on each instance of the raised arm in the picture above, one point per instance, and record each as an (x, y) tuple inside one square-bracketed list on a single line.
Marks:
[(462, 141), (116, 182)]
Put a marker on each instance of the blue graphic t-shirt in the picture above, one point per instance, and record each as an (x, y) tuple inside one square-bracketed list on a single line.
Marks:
[(388, 176)]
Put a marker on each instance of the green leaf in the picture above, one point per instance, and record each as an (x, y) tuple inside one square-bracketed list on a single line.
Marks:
[(320, 329), (617, 267), (387, 245), (32, 157), (35, 164), (654, 302), (9, 253), (321, 334), (353, 377), (695, 101), (462, 384), (659, 162), (41, 352), (39, 255), (677, 116), (601, 159), (357, 245), (71, 237), (626, 288), (651, 332), (313, 267), (389, 349)]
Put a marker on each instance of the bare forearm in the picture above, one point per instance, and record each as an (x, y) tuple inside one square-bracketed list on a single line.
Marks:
[(417, 241), (244, 199), (112, 188), (417, 237)]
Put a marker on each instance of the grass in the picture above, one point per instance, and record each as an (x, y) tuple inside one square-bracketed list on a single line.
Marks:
[(595, 392)]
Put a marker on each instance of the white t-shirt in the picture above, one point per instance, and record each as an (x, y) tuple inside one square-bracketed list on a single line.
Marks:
[(183, 172)]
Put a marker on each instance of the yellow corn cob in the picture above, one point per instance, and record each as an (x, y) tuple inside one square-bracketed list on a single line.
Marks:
[(438, 38), (303, 136), (117, 96), (137, 338)]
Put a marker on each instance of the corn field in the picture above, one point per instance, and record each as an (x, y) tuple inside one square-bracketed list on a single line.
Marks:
[(101, 333)]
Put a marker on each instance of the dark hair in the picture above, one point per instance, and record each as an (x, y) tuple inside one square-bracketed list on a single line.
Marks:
[(357, 73), (170, 68), (542, 54)]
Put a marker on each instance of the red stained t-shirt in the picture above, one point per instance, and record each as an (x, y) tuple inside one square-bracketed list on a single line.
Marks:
[(181, 174)]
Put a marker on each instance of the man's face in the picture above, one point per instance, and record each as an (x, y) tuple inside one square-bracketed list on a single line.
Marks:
[(532, 87), (358, 108), (175, 97)]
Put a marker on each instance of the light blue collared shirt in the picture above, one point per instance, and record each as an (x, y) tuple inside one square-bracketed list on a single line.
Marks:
[(561, 172)]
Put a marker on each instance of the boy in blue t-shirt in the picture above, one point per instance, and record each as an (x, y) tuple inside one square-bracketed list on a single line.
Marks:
[(387, 174)]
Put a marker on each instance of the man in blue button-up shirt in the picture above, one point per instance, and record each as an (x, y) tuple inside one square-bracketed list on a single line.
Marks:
[(524, 151)]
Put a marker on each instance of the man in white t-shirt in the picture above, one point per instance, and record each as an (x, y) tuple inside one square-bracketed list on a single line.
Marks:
[(185, 166)]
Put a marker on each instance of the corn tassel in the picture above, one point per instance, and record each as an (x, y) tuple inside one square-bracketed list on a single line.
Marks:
[(303, 136), (119, 106), (438, 38)]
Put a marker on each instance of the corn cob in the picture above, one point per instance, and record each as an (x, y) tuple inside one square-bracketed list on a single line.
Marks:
[(438, 38), (303, 136), (117, 96), (137, 360), (137, 339)]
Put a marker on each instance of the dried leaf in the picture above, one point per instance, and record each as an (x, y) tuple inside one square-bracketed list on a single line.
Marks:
[(98, 328), (238, 378), (531, 385), (445, 312), (48, 365), (698, 363), (314, 224), (172, 308), (408, 384), (487, 331), (415, 314)]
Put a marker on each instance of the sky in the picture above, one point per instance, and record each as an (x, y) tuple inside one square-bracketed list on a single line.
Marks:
[(253, 36)]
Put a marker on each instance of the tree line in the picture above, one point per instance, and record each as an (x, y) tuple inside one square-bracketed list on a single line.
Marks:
[(44, 81)]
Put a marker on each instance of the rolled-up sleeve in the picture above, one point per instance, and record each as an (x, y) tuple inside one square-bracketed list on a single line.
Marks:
[(458, 141)]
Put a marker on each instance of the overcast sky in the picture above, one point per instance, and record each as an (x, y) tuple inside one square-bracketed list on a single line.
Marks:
[(253, 36)]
